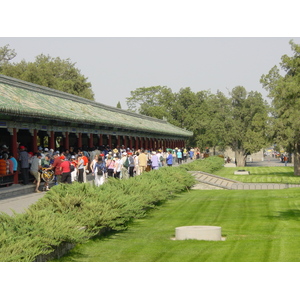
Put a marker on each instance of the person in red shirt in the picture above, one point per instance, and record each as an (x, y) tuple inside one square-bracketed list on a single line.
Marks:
[(86, 162), (56, 168), (65, 170)]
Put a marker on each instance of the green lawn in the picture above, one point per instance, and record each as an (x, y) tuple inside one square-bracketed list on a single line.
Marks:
[(261, 226), (262, 174)]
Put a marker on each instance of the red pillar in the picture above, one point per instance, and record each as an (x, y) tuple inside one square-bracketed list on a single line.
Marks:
[(125, 141), (130, 142), (146, 143), (52, 142), (159, 144), (137, 144)]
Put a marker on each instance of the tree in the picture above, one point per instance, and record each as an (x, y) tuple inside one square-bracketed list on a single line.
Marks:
[(151, 101), (218, 122), (6, 54), (55, 73), (284, 90), (190, 111), (247, 123), (119, 105)]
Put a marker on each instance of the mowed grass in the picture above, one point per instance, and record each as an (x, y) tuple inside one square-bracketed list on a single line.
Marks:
[(261, 226), (262, 175)]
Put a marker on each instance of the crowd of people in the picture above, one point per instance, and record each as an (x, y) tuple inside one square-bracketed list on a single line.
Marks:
[(69, 165)]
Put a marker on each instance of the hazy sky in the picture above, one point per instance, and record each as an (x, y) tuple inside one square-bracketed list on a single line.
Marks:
[(116, 66)]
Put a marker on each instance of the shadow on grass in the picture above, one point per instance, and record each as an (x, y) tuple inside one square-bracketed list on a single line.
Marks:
[(291, 214), (280, 174)]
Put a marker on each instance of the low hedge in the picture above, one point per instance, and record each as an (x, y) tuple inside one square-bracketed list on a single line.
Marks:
[(74, 213), (208, 165)]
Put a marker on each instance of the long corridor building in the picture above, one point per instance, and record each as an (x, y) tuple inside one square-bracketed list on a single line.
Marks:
[(33, 116)]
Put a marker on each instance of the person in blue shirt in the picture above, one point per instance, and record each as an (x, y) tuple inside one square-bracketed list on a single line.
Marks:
[(179, 156), (169, 159), (15, 163), (191, 153)]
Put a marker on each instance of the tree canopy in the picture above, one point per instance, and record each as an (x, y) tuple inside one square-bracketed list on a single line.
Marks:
[(284, 90), (55, 73), (6, 54), (240, 121), (248, 131)]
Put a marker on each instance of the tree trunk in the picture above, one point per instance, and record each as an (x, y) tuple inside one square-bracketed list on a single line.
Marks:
[(240, 158), (297, 161)]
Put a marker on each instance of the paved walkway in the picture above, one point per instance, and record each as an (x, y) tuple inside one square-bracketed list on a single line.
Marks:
[(209, 182)]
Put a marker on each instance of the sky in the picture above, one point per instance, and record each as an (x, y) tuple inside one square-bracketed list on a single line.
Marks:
[(115, 66)]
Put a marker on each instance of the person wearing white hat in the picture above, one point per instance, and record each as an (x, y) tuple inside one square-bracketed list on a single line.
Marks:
[(179, 156), (117, 167), (154, 160), (124, 166)]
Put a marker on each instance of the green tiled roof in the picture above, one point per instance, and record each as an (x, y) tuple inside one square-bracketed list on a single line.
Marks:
[(19, 97)]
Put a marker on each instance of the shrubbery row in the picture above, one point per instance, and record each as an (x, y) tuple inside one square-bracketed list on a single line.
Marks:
[(208, 165), (74, 213)]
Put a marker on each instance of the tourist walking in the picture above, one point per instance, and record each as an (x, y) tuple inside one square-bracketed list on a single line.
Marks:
[(124, 165), (80, 164), (136, 164), (179, 157), (131, 164), (74, 162), (24, 164), (185, 155), (142, 161), (99, 171), (36, 167), (169, 159), (56, 167), (117, 168), (154, 161), (93, 162), (46, 166), (65, 168), (110, 166)]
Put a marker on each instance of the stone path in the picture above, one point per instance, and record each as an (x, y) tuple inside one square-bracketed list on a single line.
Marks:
[(211, 182)]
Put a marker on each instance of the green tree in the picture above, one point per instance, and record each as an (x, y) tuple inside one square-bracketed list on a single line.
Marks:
[(151, 101), (119, 105), (217, 121), (284, 90), (6, 54), (247, 123), (55, 73)]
